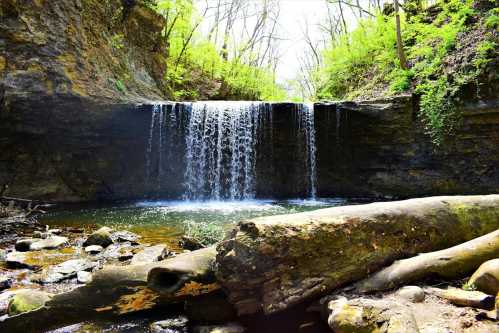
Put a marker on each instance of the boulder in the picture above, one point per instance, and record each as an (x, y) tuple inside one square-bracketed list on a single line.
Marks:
[(363, 315), (190, 243), (486, 278), (83, 277), (65, 270), (226, 328), (172, 325), (150, 254), (125, 236), (18, 260), (101, 237), (24, 244), (412, 294), (94, 249), (27, 300), (50, 243)]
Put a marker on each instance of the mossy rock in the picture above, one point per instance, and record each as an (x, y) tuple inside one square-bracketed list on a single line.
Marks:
[(27, 300)]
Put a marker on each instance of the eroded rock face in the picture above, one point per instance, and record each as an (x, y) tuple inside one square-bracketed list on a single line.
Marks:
[(70, 72)]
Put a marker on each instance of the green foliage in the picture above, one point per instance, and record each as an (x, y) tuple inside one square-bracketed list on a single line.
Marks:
[(117, 41), (366, 60), (207, 233), (468, 287), (193, 62), (120, 86)]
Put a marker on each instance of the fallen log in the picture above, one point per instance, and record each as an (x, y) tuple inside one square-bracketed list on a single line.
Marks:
[(117, 290), (271, 263), (457, 261), (459, 297)]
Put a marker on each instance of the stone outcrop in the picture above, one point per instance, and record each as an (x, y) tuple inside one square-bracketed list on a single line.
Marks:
[(70, 72)]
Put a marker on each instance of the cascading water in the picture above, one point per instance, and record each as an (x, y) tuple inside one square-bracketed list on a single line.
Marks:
[(221, 150), (218, 142), (308, 124)]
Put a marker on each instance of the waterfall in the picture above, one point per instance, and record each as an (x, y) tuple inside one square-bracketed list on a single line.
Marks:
[(307, 122), (154, 116), (221, 150), (211, 148)]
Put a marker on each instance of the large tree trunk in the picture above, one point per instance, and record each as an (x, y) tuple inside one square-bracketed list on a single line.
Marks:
[(450, 263), (271, 263), (117, 290)]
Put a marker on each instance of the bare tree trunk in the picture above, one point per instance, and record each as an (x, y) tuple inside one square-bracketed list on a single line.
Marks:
[(400, 45)]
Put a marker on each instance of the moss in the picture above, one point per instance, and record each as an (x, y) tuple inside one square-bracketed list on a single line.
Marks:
[(27, 300)]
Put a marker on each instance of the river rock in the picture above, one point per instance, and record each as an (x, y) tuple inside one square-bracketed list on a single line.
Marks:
[(54, 231), (226, 328), (5, 282), (24, 244), (83, 277), (173, 325), (125, 236), (150, 254), (190, 243), (18, 260), (412, 294), (94, 249), (64, 271), (486, 278), (5, 298), (27, 300), (100, 237), (369, 315), (50, 243)]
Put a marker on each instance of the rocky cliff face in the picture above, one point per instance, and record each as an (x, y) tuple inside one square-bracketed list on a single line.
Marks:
[(71, 73), (379, 148)]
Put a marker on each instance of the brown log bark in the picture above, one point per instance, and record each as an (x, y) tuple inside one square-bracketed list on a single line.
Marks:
[(457, 261), (117, 290), (271, 263)]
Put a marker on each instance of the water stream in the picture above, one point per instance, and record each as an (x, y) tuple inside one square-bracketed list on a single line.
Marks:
[(221, 140)]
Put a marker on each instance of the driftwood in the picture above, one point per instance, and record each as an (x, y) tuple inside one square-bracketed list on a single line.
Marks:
[(454, 262), (116, 290), (271, 263), (475, 299)]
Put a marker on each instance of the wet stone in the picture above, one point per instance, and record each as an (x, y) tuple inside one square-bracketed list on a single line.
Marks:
[(50, 243), (84, 277), (18, 260), (100, 237), (150, 254), (173, 325), (64, 271), (24, 244), (94, 249), (125, 236)]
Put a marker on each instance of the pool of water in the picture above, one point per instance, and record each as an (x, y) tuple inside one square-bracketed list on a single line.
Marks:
[(166, 221)]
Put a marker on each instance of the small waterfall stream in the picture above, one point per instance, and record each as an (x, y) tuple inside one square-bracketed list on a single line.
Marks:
[(221, 140)]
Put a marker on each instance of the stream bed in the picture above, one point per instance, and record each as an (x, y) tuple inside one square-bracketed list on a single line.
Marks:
[(166, 221)]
